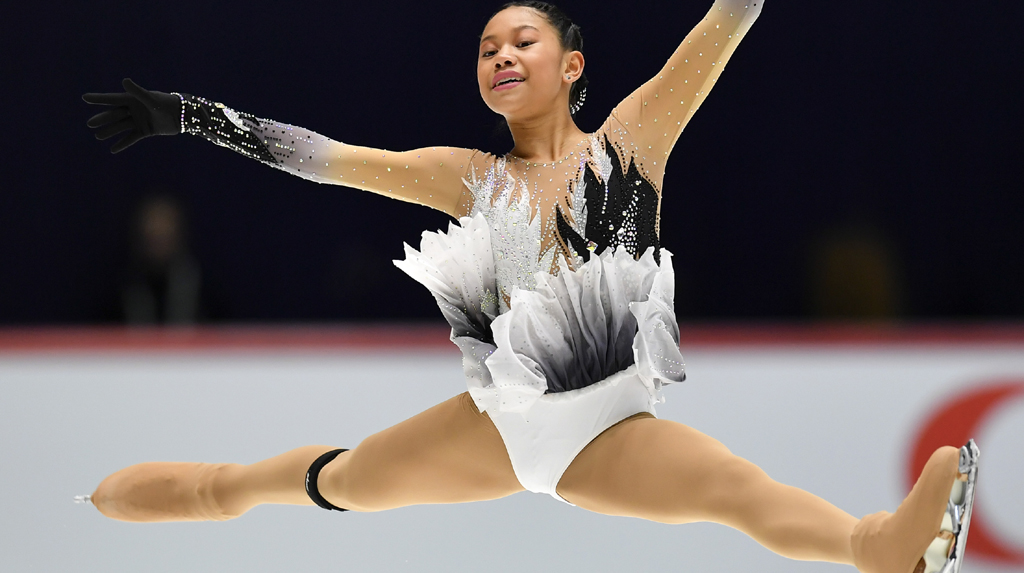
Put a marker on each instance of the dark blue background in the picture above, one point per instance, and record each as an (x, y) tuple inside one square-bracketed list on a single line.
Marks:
[(902, 116)]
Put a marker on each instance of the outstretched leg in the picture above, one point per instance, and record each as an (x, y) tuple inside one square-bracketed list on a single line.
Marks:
[(450, 453), (667, 472)]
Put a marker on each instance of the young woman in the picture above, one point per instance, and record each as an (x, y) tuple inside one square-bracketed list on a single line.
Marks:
[(561, 299)]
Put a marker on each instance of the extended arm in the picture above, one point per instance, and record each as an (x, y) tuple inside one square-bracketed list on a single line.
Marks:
[(429, 176), (656, 113)]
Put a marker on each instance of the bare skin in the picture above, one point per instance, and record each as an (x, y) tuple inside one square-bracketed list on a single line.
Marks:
[(537, 111)]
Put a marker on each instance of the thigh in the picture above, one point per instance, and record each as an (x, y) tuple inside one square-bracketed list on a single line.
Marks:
[(657, 470), (451, 453)]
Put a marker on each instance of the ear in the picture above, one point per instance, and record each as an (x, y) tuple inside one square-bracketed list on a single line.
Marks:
[(574, 64)]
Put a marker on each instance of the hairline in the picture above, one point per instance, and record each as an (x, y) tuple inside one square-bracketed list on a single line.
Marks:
[(518, 28)]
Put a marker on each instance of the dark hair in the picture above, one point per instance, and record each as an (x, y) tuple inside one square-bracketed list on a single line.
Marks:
[(570, 37)]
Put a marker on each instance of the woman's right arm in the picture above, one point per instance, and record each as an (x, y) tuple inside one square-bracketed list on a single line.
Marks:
[(429, 176)]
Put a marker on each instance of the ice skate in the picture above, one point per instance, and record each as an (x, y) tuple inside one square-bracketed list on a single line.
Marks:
[(928, 533), (159, 491), (948, 555)]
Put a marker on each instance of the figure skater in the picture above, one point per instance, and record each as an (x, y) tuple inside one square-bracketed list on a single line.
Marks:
[(561, 299)]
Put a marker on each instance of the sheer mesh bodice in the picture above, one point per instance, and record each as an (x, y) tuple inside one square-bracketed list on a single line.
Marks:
[(544, 215), (606, 194)]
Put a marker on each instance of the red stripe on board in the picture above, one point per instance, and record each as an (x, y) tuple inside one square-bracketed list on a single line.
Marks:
[(233, 338), (840, 334), (435, 337)]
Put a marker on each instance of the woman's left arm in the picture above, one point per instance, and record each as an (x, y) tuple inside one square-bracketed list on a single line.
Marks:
[(656, 113)]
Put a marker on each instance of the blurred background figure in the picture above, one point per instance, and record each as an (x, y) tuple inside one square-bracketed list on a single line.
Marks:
[(163, 283), (855, 275)]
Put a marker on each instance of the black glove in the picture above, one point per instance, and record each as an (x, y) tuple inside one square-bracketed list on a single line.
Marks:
[(140, 112)]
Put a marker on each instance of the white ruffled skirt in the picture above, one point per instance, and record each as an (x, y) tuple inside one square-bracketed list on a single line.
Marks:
[(581, 352)]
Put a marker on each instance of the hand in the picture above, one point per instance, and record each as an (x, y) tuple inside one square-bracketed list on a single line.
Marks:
[(139, 112)]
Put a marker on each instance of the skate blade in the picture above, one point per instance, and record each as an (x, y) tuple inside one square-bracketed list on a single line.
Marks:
[(960, 510)]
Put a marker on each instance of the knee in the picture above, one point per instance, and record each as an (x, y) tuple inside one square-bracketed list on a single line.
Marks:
[(223, 487), (349, 481)]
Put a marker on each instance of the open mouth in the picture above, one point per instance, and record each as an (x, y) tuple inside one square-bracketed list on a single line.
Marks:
[(509, 81)]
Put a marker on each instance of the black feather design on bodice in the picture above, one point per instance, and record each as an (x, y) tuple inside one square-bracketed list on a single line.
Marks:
[(620, 211)]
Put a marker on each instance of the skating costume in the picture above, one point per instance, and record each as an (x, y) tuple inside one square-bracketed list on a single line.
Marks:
[(553, 280)]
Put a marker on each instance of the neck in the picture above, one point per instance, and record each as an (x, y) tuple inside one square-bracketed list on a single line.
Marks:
[(546, 138)]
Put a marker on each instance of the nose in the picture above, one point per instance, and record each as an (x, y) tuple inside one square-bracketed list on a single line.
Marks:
[(504, 61)]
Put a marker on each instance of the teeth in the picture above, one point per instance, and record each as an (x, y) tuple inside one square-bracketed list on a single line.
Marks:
[(509, 80)]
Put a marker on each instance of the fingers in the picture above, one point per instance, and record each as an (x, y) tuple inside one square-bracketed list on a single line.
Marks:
[(108, 131), (133, 92), (109, 116), (137, 91), (107, 99), (126, 142)]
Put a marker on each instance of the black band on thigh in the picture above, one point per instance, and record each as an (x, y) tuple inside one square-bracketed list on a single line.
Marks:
[(314, 472)]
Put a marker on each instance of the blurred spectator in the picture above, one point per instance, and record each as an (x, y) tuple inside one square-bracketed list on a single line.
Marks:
[(163, 283), (854, 275)]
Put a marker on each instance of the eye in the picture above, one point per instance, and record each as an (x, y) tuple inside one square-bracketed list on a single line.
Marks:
[(488, 53), (524, 44)]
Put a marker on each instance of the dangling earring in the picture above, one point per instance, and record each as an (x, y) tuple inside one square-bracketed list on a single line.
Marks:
[(579, 102)]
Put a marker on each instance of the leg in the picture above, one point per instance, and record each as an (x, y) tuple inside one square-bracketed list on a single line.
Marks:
[(450, 453), (182, 491), (667, 472)]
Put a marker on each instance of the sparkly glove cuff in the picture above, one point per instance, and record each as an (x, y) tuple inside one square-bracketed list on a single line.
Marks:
[(224, 126), (290, 148)]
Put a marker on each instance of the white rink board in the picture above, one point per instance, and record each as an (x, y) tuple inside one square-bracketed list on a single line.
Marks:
[(836, 421)]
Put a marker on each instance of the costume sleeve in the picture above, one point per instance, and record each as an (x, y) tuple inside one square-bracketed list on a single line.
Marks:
[(429, 176), (656, 113)]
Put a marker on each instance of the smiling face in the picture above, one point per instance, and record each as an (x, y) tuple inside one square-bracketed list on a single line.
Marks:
[(522, 67)]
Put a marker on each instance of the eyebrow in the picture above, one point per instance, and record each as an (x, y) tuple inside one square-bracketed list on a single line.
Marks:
[(523, 27)]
